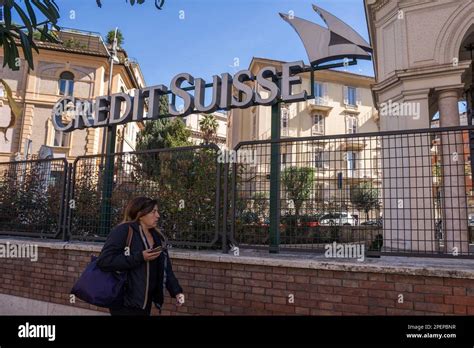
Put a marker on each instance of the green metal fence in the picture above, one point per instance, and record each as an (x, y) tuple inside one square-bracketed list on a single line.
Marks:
[(396, 193)]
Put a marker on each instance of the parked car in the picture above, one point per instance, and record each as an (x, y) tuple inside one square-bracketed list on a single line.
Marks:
[(303, 220), (471, 220), (339, 219), (375, 222)]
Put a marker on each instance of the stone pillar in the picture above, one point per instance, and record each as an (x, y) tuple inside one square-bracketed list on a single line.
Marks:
[(92, 143), (407, 182), (452, 150)]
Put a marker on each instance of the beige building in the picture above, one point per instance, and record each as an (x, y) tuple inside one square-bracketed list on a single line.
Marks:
[(422, 58), (192, 123), (343, 105), (78, 67)]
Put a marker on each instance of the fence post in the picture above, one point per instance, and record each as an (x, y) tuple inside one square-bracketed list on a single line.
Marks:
[(233, 200), (65, 208), (275, 180), (108, 182), (225, 250)]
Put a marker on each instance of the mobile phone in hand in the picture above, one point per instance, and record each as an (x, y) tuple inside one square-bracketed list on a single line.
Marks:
[(158, 248)]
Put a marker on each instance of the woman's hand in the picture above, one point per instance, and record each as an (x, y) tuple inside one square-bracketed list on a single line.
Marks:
[(148, 255), (179, 300)]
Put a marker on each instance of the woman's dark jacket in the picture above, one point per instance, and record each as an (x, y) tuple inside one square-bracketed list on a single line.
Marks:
[(145, 280)]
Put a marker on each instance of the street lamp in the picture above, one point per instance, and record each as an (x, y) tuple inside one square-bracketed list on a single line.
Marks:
[(113, 60), (108, 148)]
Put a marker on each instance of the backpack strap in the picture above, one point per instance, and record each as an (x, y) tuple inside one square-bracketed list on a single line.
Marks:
[(129, 236)]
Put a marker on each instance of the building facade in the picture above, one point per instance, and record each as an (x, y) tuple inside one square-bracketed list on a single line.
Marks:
[(78, 67), (342, 105), (423, 57), (192, 123)]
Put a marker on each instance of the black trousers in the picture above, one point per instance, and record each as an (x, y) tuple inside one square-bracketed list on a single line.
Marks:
[(131, 311)]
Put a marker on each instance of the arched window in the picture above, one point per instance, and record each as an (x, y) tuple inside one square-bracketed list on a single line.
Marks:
[(66, 83)]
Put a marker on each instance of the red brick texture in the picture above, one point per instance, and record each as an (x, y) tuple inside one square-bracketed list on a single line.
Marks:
[(213, 288)]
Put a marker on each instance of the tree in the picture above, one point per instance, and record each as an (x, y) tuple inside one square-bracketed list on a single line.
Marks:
[(208, 126), (298, 182), (261, 204), (366, 198), (10, 32), (163, 133), (110, 37), (160, 134)]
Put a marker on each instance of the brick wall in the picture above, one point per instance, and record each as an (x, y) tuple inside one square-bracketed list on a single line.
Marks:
[(226, 285)]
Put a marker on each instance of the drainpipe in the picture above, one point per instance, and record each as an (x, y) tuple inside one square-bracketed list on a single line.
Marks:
[(22, 127)]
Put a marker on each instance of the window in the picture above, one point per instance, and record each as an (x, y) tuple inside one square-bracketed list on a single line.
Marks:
[(285, 160), (320, 93), (318, 125), (350, 96), (351, 162), (2, 18), (318, 90), (321, 159), (351, 125), (61, 139), (66, 83), (318, 159), (285, 113), (2, 92)]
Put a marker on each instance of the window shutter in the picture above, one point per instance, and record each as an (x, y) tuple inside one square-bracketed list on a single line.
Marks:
[(326, 160), (325, 91), (346, 95), (358, 96)]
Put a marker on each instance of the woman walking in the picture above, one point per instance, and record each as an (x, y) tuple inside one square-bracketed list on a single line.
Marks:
[(146, 261)]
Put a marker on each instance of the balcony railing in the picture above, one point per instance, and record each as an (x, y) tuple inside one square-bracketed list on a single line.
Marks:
[(362, 174), (320, 101), (355, 144), (319, 104)]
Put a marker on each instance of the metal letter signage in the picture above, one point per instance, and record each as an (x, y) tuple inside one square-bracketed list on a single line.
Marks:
[(121, 108), (322, 45)]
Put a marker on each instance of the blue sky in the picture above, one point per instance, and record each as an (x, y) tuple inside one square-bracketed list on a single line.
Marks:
[(212, 34)]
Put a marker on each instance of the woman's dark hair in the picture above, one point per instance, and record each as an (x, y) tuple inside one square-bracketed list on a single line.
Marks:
[(138, 207)]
